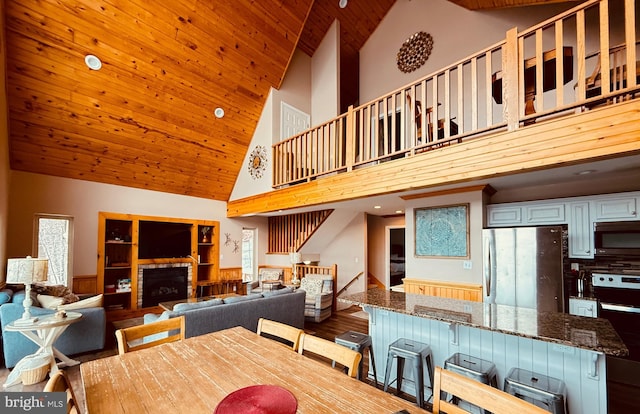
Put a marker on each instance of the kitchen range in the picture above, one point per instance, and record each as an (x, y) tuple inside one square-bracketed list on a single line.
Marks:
[(618, 295)]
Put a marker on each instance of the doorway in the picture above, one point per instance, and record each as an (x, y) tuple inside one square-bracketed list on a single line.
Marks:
[(293, 121), (395, 255)]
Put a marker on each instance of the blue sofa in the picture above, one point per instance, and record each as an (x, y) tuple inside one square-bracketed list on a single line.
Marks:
[(282, 305), (86, 335)]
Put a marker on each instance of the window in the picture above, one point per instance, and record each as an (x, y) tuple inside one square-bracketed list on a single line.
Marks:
[(54, 240), (249, 245)]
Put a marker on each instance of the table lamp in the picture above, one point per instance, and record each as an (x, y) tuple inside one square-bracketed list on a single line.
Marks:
[(294, 258), (27, 271)]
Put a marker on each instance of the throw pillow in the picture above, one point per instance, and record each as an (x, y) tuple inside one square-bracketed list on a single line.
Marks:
[(182, 307), (92, 302), (270, 274), (5, 295), (56, 290), (49, 302), (311, 286)]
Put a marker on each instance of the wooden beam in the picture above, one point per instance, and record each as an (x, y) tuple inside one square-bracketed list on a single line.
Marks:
[(485, 188)]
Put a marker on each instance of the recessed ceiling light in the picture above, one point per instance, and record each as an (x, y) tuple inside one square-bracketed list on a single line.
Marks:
[(377, 207), (219, 112), (398, 211), (585, 172), (343, 3), (93, 62)]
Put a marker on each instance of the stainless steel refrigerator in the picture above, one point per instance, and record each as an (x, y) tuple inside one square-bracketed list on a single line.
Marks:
[(523, 266)]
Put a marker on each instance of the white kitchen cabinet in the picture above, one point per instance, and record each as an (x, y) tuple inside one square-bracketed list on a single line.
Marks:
[(580, 230), (578, 212), (504, 215), (525, 214), (619, 208), (583, 307), (545, 214)]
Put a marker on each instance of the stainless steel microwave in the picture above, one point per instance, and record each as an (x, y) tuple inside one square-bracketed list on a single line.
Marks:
[(619, 238)]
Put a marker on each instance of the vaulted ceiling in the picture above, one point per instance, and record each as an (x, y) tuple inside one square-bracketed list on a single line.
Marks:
[(146, 119)]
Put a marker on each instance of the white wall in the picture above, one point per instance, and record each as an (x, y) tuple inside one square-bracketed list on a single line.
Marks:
[(295, 90), (246, 185), (35, 193), (325, 77), (347, 248), (456, 32), (340, 240), (449, 269)]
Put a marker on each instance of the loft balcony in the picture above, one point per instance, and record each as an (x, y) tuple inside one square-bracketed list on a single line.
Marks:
[(562, 92)]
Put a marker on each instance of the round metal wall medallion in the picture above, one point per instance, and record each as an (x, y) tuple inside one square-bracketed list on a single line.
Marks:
[(414, 52), (258, 162)]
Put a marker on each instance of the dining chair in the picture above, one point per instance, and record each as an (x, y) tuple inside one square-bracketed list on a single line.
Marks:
[(280, 330), (144, 336), (59, 382), (335, 352), (476, 393)]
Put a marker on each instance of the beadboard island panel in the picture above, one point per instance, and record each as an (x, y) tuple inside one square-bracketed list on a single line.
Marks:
[(567, 347)]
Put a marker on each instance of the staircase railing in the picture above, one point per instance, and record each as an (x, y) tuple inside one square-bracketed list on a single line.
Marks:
[(499, 88), (351, 282), (290, 232)]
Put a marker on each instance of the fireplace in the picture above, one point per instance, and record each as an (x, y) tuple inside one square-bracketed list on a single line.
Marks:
[(164, 284)]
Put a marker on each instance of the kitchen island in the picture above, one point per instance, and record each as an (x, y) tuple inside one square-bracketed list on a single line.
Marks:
[(563, 346)]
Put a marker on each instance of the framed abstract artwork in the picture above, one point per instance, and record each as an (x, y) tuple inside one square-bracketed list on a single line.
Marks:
[(442, 231)]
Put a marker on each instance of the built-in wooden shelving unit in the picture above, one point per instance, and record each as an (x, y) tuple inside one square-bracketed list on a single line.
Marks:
[(120, 253)]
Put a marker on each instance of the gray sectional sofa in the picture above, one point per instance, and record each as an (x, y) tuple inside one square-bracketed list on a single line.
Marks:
[(283, 305), (86, 335)]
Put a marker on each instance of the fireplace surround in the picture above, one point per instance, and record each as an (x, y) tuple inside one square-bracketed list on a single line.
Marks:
[(163, 282)]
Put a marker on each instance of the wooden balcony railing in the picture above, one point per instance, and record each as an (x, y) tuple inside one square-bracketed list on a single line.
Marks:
[(499, 88)]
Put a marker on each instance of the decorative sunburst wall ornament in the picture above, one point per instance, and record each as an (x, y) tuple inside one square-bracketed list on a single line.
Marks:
[(258, 162), (414, 52)]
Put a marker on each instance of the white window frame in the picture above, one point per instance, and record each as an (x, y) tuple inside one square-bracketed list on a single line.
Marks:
[(36, 243), (254, 254)]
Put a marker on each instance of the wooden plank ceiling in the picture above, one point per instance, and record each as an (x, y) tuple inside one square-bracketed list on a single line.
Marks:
[(145, 120)]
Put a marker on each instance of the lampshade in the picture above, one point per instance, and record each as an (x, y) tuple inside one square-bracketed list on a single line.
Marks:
[(295, 257), (27, 270)]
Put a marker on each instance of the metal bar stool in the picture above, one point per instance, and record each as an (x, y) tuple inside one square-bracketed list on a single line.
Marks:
[(416, 352), (359, 342), (475, 368), (545, 392)]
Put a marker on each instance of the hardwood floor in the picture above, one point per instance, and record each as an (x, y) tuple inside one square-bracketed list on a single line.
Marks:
[(623, 397)]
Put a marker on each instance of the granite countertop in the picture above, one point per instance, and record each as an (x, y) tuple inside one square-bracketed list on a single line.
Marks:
[(594, 334)]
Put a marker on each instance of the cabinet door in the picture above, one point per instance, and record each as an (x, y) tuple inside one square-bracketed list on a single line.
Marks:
[(580, 233), (616, 208), (500, 216), (545, 214)]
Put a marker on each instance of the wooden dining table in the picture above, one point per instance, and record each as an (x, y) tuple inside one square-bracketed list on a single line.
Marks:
[(196, 374)]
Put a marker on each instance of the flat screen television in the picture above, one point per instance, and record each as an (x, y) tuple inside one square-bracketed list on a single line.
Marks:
[(163, 240)]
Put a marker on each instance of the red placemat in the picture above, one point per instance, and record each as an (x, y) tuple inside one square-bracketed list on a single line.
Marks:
[(258, 399)]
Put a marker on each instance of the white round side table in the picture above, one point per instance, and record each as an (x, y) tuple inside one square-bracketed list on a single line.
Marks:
[(44, 332)]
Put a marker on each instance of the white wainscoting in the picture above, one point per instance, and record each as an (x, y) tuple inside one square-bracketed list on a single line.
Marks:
[(586, 393)]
